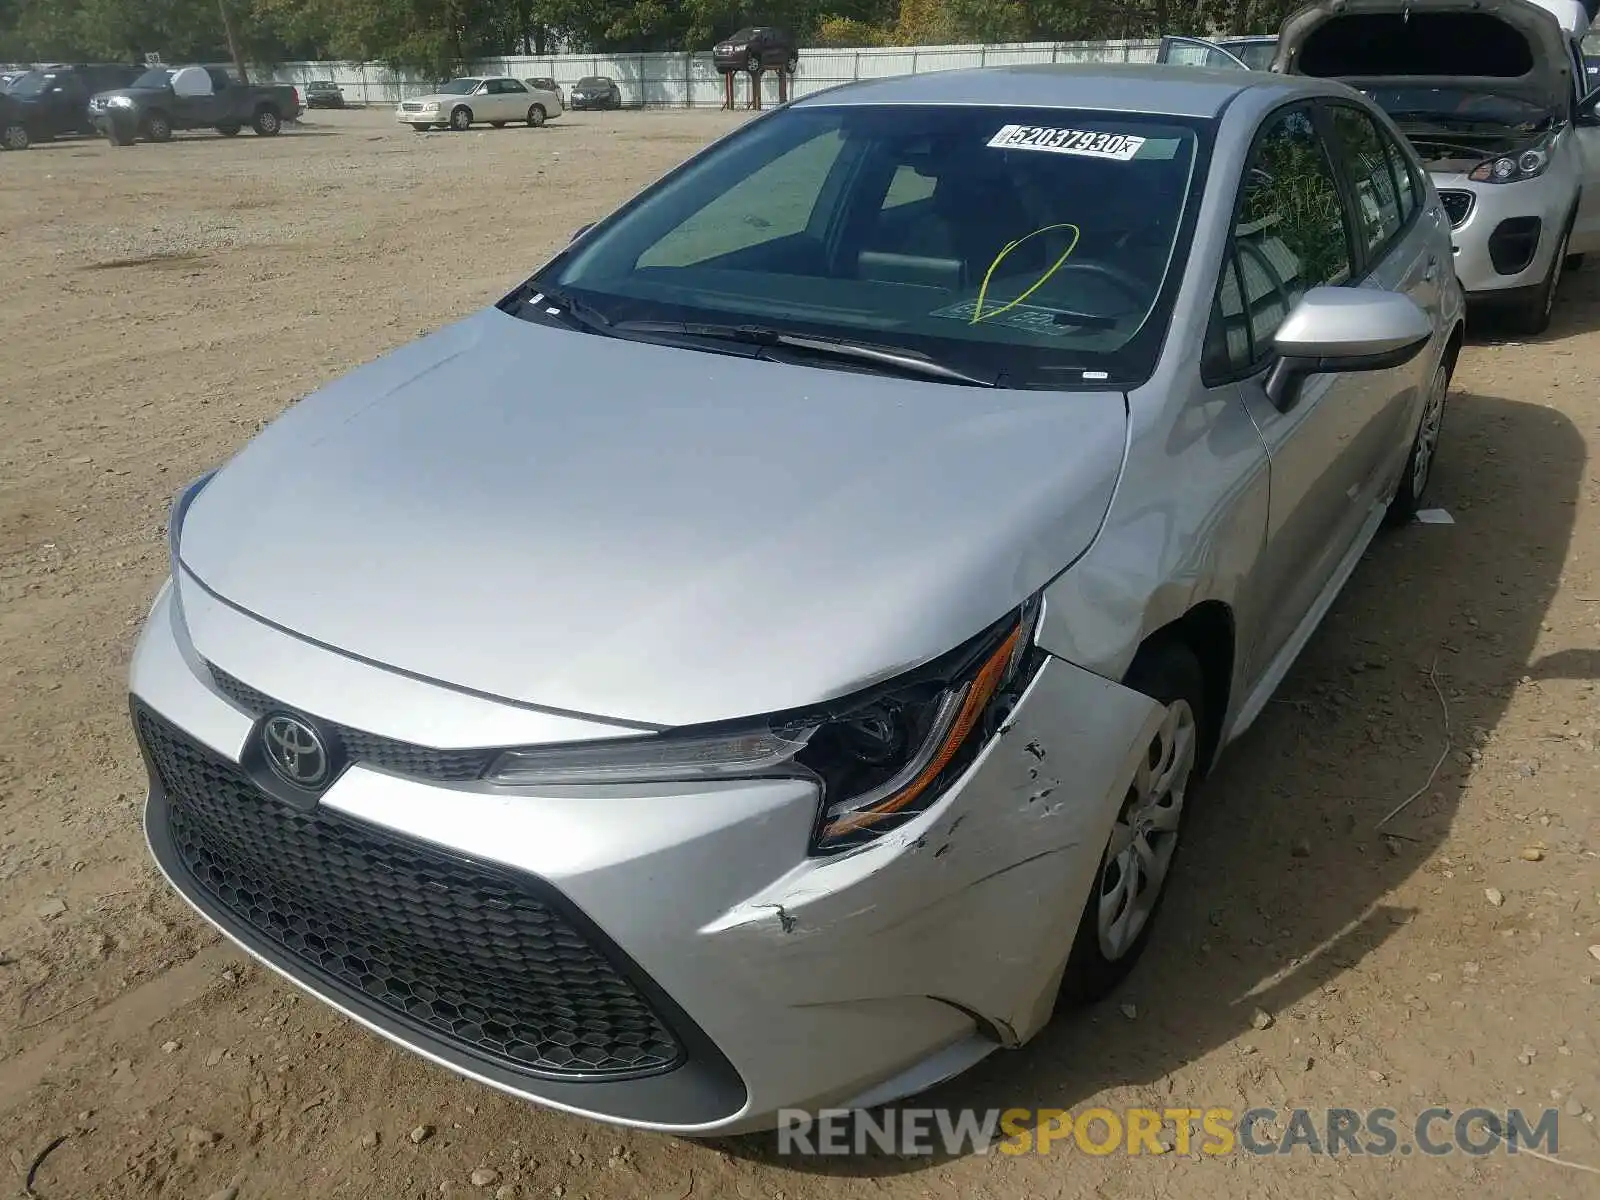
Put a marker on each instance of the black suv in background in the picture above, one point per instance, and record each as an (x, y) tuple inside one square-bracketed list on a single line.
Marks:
[(55, 100), (761, 47)]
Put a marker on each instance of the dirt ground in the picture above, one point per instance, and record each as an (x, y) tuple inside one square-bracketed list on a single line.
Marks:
[(158, 304)]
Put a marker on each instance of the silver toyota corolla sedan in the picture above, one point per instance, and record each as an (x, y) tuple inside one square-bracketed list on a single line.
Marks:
[(765, 660)]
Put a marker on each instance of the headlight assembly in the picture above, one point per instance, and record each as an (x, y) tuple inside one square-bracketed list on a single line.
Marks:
[(118, 102), (1512, 168), (878, 758)]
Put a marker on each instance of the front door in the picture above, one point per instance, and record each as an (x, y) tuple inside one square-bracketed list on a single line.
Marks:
[(1292, 233), (1402, 246)]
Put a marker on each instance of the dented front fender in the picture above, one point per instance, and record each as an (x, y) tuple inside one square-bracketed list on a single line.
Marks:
[(975, 903)]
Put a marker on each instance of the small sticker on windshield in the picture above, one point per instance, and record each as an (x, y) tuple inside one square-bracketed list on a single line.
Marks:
[(1086, 142)]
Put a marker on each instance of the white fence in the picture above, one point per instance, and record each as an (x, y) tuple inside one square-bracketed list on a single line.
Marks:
[(685, 80)]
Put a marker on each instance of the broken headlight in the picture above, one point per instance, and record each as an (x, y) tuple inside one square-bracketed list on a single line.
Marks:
[(879, 757)]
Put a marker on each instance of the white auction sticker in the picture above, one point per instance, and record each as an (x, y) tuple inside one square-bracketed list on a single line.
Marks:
[(1086, 142)]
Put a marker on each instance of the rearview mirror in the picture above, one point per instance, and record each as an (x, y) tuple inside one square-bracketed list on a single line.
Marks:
[(1344, 329)]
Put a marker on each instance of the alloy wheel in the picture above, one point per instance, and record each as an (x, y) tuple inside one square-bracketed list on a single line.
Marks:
[(1428, 431), (1146, 833)]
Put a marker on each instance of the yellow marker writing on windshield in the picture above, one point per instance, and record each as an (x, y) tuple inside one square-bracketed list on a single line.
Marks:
[(983, 289)]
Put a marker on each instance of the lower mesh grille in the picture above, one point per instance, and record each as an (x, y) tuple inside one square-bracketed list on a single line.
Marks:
[(482, 959)]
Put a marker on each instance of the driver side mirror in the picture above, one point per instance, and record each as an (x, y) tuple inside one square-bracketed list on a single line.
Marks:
[(1344, 329), (1586, 110), (580, 231)]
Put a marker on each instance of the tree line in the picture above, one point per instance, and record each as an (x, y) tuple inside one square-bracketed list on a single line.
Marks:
[(442, 35)]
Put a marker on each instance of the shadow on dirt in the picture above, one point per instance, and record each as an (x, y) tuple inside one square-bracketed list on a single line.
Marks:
[(1285, 870)]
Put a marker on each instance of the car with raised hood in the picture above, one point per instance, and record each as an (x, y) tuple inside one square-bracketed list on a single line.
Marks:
[(765, 660), (1493, 95), (496, 100)]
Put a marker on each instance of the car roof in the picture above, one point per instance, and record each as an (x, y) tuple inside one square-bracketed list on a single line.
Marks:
[(1114, 87)]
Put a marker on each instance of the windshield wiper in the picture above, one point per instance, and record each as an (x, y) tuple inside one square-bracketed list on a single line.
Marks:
[(536, 295), (899, 362)]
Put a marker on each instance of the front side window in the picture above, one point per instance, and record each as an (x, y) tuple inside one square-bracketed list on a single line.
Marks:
[(1037, 245), (1289, 236), (1366, 160), (1404, 176)]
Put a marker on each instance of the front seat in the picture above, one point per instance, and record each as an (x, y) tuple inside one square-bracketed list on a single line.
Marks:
[(972, 218)]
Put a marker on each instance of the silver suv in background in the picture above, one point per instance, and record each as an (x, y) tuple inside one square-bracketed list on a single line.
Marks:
[(1493, 96)]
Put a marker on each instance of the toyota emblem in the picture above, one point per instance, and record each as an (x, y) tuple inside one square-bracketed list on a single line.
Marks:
[(295, 752)]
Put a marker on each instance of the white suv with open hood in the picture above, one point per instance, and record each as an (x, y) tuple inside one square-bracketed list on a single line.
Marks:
[(1492, 93)]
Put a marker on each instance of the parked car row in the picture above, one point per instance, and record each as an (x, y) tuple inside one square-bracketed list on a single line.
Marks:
[(129, 104)]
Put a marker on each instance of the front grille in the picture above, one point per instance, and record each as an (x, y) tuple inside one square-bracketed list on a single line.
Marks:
[(403, 758), (408, 107), (1457, 206), (483, 959)]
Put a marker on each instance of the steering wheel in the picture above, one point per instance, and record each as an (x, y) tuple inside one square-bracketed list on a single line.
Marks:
[(1138, 290)]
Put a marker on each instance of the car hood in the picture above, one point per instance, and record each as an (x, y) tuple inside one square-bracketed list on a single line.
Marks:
[(1370, 62), (435, 98), (647, 533)]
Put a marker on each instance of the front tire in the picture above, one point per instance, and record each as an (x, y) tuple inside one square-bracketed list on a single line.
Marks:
[(536, 115), (1531, 317), (267, 123), (1141, 851), (158, 127), (461, 119), (15, 137), (1424, 448)]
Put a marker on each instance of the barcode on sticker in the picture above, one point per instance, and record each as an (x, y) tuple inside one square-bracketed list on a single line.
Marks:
[(1120, 146)]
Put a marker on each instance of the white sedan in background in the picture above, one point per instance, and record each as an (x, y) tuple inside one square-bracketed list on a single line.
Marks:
[(497, 100)]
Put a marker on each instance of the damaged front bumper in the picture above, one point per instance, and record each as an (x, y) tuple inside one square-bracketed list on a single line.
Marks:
[(729, 974)]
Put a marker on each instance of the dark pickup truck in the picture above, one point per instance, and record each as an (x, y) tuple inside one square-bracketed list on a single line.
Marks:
[(166, 99)]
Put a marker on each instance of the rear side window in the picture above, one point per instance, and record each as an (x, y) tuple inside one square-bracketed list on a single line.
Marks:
[(1366, 161), (1289, 236)]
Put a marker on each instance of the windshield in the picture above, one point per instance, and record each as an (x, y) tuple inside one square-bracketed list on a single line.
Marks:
[(592, 81), (158, 78), (1458, 108), (29, 83), (1035, 244), (459, 87)]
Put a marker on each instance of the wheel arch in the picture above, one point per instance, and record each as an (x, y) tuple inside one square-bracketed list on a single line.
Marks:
[(1207, 631)]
